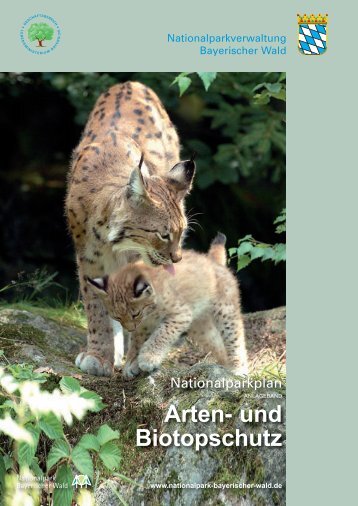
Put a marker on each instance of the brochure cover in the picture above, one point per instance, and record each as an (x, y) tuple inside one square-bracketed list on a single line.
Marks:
[(143, 251)]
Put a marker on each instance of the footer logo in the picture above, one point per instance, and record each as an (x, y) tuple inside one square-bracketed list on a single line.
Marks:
[(81, 480), (40, 34)]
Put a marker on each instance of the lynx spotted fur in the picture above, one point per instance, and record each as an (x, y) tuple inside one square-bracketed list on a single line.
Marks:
[(124, 200)]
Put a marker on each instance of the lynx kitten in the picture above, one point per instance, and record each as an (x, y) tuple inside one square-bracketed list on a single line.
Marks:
[(202, 299)]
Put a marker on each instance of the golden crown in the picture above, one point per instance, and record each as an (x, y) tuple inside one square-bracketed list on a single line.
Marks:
[(312, 19)]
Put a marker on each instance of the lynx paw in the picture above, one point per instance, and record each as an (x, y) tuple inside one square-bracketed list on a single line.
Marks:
[(148, 362), (131, 369), (94, 365)]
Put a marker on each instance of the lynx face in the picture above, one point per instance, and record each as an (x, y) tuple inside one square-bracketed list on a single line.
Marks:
[(128, 296), (155, 217)]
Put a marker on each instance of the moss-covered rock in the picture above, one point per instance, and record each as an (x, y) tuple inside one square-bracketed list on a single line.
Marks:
[(29, 337), (183, 475), (205, 470)]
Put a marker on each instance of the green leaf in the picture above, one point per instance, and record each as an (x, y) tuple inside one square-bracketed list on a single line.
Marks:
[(26, 451), (262, 99), (89, 442), (243, 262), (247, 237), (25, 454), (35, 431), (8, 404), (2, 475), (281, 218), (69, 385), (183, 82), (82, 460), (110, 455), (273, 88), (51, 426), (63, 491), (280, 228), (34, 466), (257, 252), (232, 251), (105, 434), (245, 247), (25, 372), (258, 87), (269, 254), (98, 404), (8, 462), (59, 450), (280, 252), (280, 221), (281, 95), (279, 140), (207, 78)]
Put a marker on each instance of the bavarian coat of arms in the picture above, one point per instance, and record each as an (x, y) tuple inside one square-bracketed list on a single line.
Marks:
[(312, 34)]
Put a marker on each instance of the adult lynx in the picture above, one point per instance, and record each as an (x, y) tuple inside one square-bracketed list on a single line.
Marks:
[(125, 198)]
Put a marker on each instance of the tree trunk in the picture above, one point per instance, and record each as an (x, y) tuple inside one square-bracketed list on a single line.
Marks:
[(40, 43)]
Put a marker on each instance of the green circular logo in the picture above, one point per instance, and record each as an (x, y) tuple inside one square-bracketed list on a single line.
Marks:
[(40, 34)]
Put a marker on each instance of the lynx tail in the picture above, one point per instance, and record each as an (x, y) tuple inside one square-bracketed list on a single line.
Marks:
[(217, 249)]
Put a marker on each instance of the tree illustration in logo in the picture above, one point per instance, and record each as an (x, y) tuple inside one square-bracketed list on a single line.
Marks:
[(81, 480), (40, 32)]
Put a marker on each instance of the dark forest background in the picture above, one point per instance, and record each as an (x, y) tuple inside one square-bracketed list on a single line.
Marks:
[(237, 128)]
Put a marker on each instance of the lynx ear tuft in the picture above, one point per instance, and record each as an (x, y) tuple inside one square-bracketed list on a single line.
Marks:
[(141, 161), (137, 187), (181, 176), (141, 287), (100, 285), (136, 184)]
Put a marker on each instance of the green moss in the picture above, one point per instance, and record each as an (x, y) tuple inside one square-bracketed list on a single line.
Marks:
[(51, 383), (276, 498), (12, 334), (136, 459), (210, 494), (187, 399), (235, 462), (231, 469), (174, 492), (230, 404), (173, 477), (254, 467), (72, 314), (129, 405)]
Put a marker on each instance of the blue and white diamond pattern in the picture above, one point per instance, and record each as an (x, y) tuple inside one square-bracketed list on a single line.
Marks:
[(312, 39)]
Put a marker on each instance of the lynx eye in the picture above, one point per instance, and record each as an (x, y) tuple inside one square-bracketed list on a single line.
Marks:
[(164, 237), (135, 315)]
